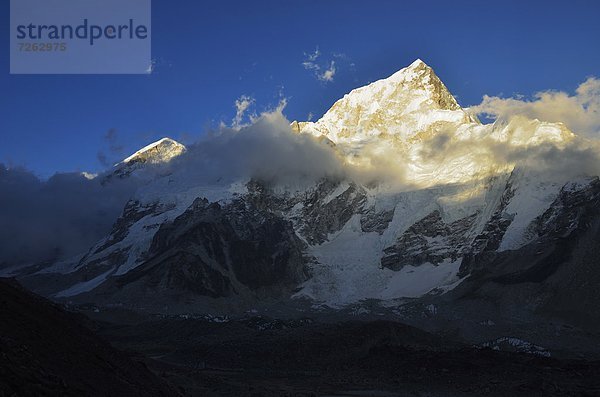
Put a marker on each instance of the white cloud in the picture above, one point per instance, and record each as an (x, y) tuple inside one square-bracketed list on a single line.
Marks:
[(151, 66), (242, 104), (266, 148), (323, 71), (281, 105), (310, 61), (312, 57), (579, 112), (328, 74)]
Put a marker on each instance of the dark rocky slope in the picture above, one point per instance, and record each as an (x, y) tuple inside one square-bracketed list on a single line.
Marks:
[(555, 275), (45, 351)]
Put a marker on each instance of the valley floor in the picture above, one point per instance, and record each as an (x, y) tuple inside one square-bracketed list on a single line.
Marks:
[(257, 356)]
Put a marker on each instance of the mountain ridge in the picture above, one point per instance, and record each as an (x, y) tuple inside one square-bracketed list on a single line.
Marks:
[(458, 199)]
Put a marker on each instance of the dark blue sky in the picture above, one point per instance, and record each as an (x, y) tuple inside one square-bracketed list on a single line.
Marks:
[(210, 53)]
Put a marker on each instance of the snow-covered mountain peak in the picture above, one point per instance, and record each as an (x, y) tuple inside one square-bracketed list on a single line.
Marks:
[(409, 102), (417, 62), (418, 76), (411, 120), (160, 151)]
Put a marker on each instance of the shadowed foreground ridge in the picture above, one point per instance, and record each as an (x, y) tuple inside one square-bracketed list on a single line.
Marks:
[(45, 351)]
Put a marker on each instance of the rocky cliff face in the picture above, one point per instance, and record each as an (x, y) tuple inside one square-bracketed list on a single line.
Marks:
[(216, 250), (430, 240)]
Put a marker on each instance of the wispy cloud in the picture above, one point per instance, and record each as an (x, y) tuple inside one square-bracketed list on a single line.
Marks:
[(329, 73), (323, 71), (151, 66), (158, 64), (311, 58), (242, 104)]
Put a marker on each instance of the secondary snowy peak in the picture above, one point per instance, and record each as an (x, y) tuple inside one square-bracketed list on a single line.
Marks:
[(408, 102), (160, 151)]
